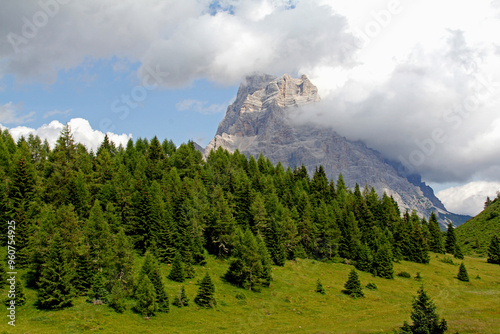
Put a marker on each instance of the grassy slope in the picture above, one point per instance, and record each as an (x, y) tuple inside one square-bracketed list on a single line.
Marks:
[(482, 227), (290, 305)]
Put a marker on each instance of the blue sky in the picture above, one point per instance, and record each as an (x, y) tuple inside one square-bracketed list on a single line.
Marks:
[(111, 102), (418, 81)]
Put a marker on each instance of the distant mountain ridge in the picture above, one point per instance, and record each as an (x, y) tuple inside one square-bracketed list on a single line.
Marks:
[(261, 121)]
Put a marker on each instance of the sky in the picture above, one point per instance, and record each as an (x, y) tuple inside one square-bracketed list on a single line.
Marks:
[(417, 80)]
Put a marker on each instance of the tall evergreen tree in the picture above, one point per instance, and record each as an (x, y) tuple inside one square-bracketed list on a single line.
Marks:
[(436, 244), (424, 316), (177, 272), (54, 288), (382, 262), (494, 250), (146, 298), (181, 299), (451, 240), (206, 290)]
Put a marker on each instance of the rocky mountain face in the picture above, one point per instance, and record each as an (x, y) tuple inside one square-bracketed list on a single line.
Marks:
[(261, 121)]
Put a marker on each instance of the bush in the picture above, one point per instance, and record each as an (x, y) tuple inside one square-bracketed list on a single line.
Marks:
[(371, 286), (418, 277), (404, 274), (447, 260)]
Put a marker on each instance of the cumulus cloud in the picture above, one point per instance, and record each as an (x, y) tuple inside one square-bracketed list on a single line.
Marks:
[(80, 128), (418, 81), (469, 199)]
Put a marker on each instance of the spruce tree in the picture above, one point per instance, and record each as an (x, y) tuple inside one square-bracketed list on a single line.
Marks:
[(319, 287), (424, 316), (117, 298), (451, 240), (146, 298), (382, 262), (98, 293), (436, 241), (353, 286), (494, 250), (19, 296), (462, 273), (181, 299), (206, 290), (54, 288), (177, 272)]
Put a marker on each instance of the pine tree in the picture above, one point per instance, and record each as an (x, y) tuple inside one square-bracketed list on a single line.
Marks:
[(54, 288), (462, 273), (151, 269), (180, 299), (458, 252), (424, 316), (494, 250), (19, 297), (353, 286), (451, 240), (177, 272), (319, 287), (117, 298), (382, 262), (436, 242), (98, 293), (205, 296), (146, 298)]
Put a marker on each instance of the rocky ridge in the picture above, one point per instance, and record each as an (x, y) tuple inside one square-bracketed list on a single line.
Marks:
[(261, 121)]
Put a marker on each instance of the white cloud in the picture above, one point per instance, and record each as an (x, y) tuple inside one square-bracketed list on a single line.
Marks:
[(10, 114), (417, 80), (468, 199), (201, 107), (80, 128)]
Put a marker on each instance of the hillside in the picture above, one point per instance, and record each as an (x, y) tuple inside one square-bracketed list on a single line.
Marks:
[(290, 304), (475, 235)]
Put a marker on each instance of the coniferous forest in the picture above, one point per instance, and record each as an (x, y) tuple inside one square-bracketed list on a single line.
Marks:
[(82, 218)]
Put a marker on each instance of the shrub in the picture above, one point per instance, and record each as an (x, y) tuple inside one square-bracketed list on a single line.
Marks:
[(404, 274), (371, 286)]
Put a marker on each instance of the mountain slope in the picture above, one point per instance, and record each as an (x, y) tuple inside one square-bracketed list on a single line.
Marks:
[(261, 120), (475, 235)]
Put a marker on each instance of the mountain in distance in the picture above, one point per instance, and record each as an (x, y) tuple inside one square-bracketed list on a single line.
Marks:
[(261, 120)]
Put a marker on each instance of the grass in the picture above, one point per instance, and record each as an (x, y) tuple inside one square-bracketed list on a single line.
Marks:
[(290, 304), (475, 235)]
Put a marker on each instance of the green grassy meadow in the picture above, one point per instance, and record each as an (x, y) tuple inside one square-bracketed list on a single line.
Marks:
[(290, 305)]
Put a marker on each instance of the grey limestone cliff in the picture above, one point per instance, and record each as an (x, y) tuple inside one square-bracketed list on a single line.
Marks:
[(261, 121)]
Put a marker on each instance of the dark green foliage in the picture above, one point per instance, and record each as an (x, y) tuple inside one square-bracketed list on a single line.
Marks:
[(177, 272), (418, 277), (371, 286), (151, 270), (404, 274), (146, 298), (424, 316), (494, 250), (250, 267), (353, 286), (117, 298), (436, 243), (54, 288), (458, 252), (18, 296), (98, 293), (451, 240), (206, 291), (319, 287), (462, 273), (180, 299), (447, 260), (382, 262)]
